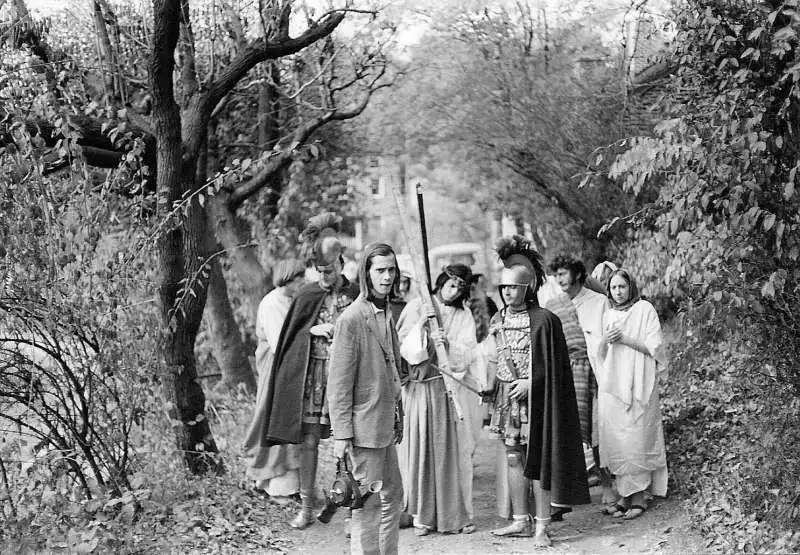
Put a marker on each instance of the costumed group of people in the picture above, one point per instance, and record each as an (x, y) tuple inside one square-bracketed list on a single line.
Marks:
[(564, 375)]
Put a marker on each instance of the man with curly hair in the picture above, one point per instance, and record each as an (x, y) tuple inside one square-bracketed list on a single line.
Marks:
[(591, 306), (570, 276)]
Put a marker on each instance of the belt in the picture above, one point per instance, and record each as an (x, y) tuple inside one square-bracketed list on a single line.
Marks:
[(439, 377)]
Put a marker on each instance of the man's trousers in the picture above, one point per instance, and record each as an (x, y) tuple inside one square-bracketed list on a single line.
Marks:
[(376, 527)]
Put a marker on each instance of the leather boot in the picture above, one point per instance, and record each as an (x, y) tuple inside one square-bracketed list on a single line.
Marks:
[(305, 516)]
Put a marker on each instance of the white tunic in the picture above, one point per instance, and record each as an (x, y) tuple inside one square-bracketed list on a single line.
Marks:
[(275, 469), (631, 435), (591, 307), (272, 311), (436, 451)]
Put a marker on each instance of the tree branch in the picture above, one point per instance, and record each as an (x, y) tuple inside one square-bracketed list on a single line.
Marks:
[(258, 51), (276, 163), (106, 52), (282, 32), (349, 10), (555, 196), (187, 53), (90, 130), (281, 159)]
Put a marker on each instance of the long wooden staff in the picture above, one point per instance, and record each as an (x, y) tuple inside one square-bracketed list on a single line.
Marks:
[(423, 229), (437, 333), (466, 380)]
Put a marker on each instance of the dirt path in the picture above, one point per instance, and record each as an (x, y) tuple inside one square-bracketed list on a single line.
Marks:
[(664, 528)]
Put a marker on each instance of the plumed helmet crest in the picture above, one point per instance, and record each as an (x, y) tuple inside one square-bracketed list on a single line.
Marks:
[(517, 250), (319, 240)]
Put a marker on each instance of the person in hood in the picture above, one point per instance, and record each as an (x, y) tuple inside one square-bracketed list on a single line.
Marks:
[(629, 408), (602, 273), (364, 383), (295, 408)]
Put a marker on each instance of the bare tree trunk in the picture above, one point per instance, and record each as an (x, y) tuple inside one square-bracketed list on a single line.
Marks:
[(269, 108), (230, 351), (112, 24), (180, 253), (235, 239), (105, 54), (182, 248)]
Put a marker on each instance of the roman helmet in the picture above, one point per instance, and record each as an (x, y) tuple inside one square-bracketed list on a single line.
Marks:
[(523, 264), (320, 242), (516, 275)]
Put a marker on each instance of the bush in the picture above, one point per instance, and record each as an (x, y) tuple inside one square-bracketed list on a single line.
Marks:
[(723, 238), (724, 229), (77, 367), (733, 444)]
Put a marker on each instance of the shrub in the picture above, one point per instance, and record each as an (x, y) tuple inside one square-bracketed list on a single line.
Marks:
[(733, 444)]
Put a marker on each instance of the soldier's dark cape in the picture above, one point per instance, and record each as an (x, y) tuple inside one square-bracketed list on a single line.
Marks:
[(284, 389), (555, 452)]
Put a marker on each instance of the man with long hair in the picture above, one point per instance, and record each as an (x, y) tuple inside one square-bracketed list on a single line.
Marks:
[(364, 384)]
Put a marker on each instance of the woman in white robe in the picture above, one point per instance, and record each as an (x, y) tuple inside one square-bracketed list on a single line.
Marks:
[(631, 434), (274, 469)]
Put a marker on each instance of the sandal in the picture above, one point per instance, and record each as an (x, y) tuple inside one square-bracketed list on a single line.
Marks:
[(614, 509), (542, 540), (634, 512), (468, 529), (609, 495)]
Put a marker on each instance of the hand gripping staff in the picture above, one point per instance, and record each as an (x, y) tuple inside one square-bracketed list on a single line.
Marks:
[(437, 333)]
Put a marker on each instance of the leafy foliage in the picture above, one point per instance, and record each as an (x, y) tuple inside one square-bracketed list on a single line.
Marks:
[(721, 237), (518, 96), (726, 218), (166, 510), (77, 369), (732, 447)]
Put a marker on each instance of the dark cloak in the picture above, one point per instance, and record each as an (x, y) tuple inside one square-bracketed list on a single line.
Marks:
[(555, 453), (284, 394)]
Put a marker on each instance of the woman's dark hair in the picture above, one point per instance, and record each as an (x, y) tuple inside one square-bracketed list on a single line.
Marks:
[(567, 262), (460, 271), (394, 294), (633, 288)]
